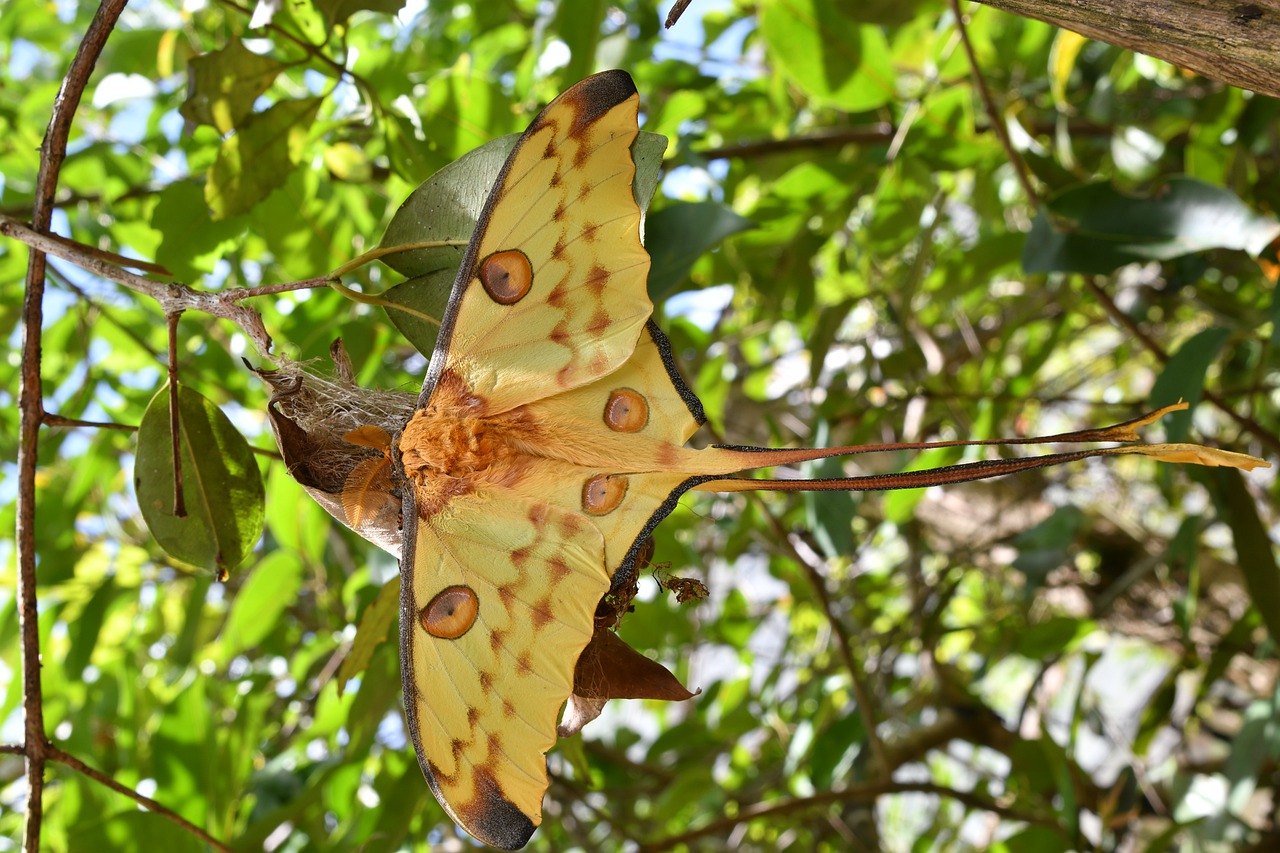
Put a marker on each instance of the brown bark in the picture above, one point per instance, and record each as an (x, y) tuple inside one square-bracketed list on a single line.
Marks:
[(1226, 40)]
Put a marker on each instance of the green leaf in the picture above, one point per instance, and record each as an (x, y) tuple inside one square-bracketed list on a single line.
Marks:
[(423, 296), (259, 603), (375, 625), (1099, 229), (1035, 839), (259, 157), (828, 53), (1183, 378), (192, 241), (579, 23), (379, 688), (444, 208), (829, 514), (1255, 553), (679, 234), (87, 626), (134, 830), (1052, 637), (222, 85), (221, 484)]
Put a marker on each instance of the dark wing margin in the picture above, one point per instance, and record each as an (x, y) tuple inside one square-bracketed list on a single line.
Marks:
[(494, 820)]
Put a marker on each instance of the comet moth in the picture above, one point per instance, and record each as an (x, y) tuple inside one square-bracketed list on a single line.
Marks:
[(520, 488)]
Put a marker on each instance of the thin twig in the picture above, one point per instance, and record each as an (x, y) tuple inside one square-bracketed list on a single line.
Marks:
[(69, 198), (993, 115), (31, 409), (52, 420), (875, 134), (270, 289), (676, 11), (172, 296), (56, 754), (853, 794)]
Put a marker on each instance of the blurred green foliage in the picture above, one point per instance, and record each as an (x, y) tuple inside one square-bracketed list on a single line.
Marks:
[(1080, 651)]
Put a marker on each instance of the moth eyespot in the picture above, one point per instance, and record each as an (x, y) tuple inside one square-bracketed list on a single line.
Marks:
[(626, 411), (506, 276), (602, 493), (451, 613)]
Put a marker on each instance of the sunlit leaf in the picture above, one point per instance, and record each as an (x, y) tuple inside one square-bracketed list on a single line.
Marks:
[(1096, 228), (260, 602), (373, 630), (222, 85), (258, 157), (824, 49)]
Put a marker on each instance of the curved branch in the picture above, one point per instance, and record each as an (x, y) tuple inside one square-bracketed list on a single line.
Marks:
[(31, 409)]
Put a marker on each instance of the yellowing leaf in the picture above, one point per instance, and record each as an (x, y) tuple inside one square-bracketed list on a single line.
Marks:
[(222, 85), (259, 157), (1194, 454), (1062, 59)]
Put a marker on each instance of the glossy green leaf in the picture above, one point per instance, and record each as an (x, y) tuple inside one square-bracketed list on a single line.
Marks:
[(1255, 552), (443, 211), (1183, 378), (220, 483), (338, 11), (680, 233), (1096, 228)]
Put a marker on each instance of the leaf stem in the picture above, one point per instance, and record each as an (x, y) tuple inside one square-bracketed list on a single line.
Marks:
[(175, 424), (375, 299), (383, 251)]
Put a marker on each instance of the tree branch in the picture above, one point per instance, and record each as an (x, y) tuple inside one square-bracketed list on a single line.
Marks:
[(173, 297), (31, 409), (1233, 42), (56, 754), (994, 115)]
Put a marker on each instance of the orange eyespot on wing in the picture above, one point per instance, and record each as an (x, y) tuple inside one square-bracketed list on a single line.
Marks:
[(451, 613), (506, 276), (626, 411), (603, 492), (551, 292)]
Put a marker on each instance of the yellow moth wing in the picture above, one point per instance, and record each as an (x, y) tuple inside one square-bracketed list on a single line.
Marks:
[(551, 292), (503, 566), (482, 706), (631, 447)]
